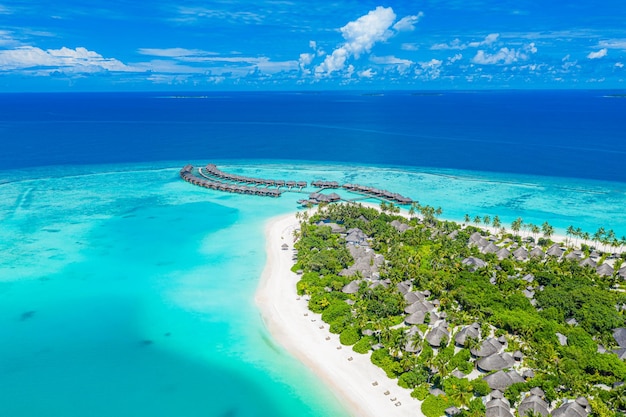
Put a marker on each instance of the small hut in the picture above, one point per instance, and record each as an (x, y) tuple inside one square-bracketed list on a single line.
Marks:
[(496, 362), (502, 380), (468, 332)]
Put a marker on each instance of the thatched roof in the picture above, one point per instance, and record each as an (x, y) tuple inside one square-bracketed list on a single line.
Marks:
[(571, 409), (452, 411), (453, 234), (555, 250), (475, 237), (356, 236), (562, 339), (621, 353), (521, 254), (528, 373), (622, 272), (420, 305), (529, 278), (503, 253), (588, 262), (605, 270), (474, 262), (498, 407), (458, 374), (502, 380), (472, 331), (576, 254), (619, 335), (412, 347), (436, 335), (399, 226), (403, 288), (352, 287), (411, 297), (415, 318), (496, 362), (488, 347), (533, 403), (537, 252), (491, 248)]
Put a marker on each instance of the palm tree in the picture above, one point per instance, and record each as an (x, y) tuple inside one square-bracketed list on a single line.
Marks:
[(467, 219), (570, 232), (579, 234), (534, 229), (547, 229), (496, 223), (611, 239), (477, 220), (486, 220), (517, 225), (598, 236)]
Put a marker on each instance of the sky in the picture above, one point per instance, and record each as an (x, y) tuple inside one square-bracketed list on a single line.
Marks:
[(194, 45)]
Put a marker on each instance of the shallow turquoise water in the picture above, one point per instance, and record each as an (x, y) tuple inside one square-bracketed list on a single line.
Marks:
[(125, 291)]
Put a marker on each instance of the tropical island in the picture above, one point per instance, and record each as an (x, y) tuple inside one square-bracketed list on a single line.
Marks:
[(465, 320)]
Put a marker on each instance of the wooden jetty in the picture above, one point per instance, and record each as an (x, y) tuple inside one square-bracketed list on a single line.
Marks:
[(187, 174), (213, 178)]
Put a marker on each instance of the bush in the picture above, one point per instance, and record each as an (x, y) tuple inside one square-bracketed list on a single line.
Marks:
[(363, 346), (435, 406), (466, 367), (383, 360), (349, 336), (413, 378), (420, 392), (335, 310), (480, 388)]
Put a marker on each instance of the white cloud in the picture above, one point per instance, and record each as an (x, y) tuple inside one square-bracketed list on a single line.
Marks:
[(613, 44), (429, 69), (597, 55), (503, 56), (195, 14), (619, 65), (390, 60), (65, 59), (408, 23), (453, 59), (409, 47), (489, 39), (306, 59), (174, 52), (361, 35), (457, 44), (368, 73)]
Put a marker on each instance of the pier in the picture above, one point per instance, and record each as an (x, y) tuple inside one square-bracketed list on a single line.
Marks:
[(213, 178)]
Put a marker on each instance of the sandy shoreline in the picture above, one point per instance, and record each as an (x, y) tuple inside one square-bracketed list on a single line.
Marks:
[(298, 330)]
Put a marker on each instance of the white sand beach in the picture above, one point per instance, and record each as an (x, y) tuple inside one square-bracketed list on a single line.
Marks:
[(360, 385)]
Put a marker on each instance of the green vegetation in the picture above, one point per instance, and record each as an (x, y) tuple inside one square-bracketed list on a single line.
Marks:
[(428, 257)]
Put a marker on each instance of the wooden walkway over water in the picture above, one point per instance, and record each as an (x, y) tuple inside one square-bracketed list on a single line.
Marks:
[(213, 178)]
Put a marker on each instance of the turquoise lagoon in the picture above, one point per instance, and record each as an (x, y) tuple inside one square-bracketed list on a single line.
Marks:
[(125, 291)]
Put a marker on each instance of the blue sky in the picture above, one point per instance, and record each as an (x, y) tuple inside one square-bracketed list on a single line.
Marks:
[(126, 45)]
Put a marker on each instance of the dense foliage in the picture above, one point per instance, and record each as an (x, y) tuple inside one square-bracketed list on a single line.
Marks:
[(425, 257)]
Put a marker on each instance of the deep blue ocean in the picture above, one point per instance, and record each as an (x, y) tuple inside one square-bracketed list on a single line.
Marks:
[(578, 134), (125, 291)]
